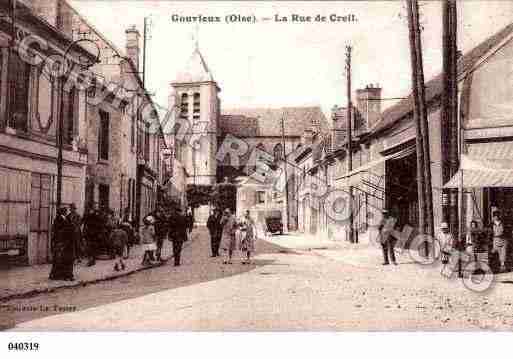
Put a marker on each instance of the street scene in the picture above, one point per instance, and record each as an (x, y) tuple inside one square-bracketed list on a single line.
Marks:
[(173, 171)]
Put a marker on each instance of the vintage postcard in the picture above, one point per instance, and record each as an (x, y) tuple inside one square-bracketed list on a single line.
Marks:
[(255, 166)]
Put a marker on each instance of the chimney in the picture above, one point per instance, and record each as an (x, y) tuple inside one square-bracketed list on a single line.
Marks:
[(46, 9), (308, 136), (368, 104), (132, 45)]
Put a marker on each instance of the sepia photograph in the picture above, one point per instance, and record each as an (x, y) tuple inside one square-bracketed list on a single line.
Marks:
[(267, 166)]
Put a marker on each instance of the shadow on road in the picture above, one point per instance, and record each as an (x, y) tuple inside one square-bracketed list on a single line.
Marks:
[(197, 267)]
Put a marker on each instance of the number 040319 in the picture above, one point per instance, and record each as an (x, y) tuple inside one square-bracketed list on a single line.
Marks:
[(23, 346)]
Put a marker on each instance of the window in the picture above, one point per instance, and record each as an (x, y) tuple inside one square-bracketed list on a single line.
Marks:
[(196, 107), (278, 152), (103, 195), (132, 127), (19, 76), (70, 114), (260, 197), (103, 140), (147, 142)]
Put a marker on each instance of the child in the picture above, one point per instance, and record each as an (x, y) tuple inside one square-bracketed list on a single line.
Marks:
[(148, 240), (119, 243)]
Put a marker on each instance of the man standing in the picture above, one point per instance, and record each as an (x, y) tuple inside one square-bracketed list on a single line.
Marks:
[(76, 222), (215, 231), (446, 240), (160, 231), (177, 233), (93, 232), (499, 242), (387, 240)]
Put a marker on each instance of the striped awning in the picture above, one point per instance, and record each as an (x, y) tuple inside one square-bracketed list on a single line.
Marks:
[(486, 165)]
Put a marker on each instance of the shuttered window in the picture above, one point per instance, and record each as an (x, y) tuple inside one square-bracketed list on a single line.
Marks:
[(19, 76), (104, 136), (70, 114)]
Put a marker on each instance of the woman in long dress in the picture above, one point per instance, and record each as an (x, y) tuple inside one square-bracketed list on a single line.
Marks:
[(247, 244), (63, 247), (229, 225)]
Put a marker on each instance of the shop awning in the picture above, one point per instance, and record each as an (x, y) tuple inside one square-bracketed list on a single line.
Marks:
[(354, 177), (478, 172)]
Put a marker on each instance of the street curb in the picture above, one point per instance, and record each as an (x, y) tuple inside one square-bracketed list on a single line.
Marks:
[(83, 283)]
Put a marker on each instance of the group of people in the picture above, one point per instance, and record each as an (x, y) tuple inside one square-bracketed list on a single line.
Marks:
[(233, 234), (486, 245), (101, 232), (158, 226)]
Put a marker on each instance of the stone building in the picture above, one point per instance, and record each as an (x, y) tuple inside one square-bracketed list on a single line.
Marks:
[(29, 112), (124, 158), (194, 93)]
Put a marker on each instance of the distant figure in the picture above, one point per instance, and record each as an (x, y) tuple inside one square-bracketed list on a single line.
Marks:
[(446, 240), (126, 225), (387, 240), (119, 243), (93, 227), (76, 221), (215, 230), (148, 240), (177, 233), (247, 245), (161, 229), (476, 238), (229, 224), (499, 242), (189, 218), (63, 247)]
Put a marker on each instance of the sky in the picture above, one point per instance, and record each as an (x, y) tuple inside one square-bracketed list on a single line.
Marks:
[(277, 64)]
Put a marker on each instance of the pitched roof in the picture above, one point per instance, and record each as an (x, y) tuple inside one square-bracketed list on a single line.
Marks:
[(238, 125), (434, 87), (268, 120), (195, 70)]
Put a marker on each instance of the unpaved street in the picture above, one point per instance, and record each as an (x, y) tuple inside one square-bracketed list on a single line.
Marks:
[(284, 289)]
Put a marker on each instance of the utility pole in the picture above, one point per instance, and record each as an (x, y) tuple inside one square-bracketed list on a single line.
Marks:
[(417, 117), (352, 237), (145, 33), (424, 124), (449, 125), (285, 171)]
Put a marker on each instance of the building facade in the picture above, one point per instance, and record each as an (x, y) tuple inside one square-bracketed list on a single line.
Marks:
[(30, 104)]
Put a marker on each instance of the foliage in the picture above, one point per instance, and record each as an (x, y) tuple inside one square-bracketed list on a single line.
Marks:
[(198, 195)]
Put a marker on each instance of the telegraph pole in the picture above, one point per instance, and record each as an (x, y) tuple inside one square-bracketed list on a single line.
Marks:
[(285, 172), (450, 132), (424, 123), (352, 238), (417, 117), (145, 30)]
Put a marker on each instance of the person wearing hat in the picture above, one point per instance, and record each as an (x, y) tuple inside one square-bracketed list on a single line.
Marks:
[(499, 242), (387, 240), (177, 233), (148, 240), (229, 224), (63, 247), (446, 240), (76, 221)]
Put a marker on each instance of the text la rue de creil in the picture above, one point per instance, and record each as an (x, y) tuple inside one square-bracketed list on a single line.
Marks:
[(292, 18)]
